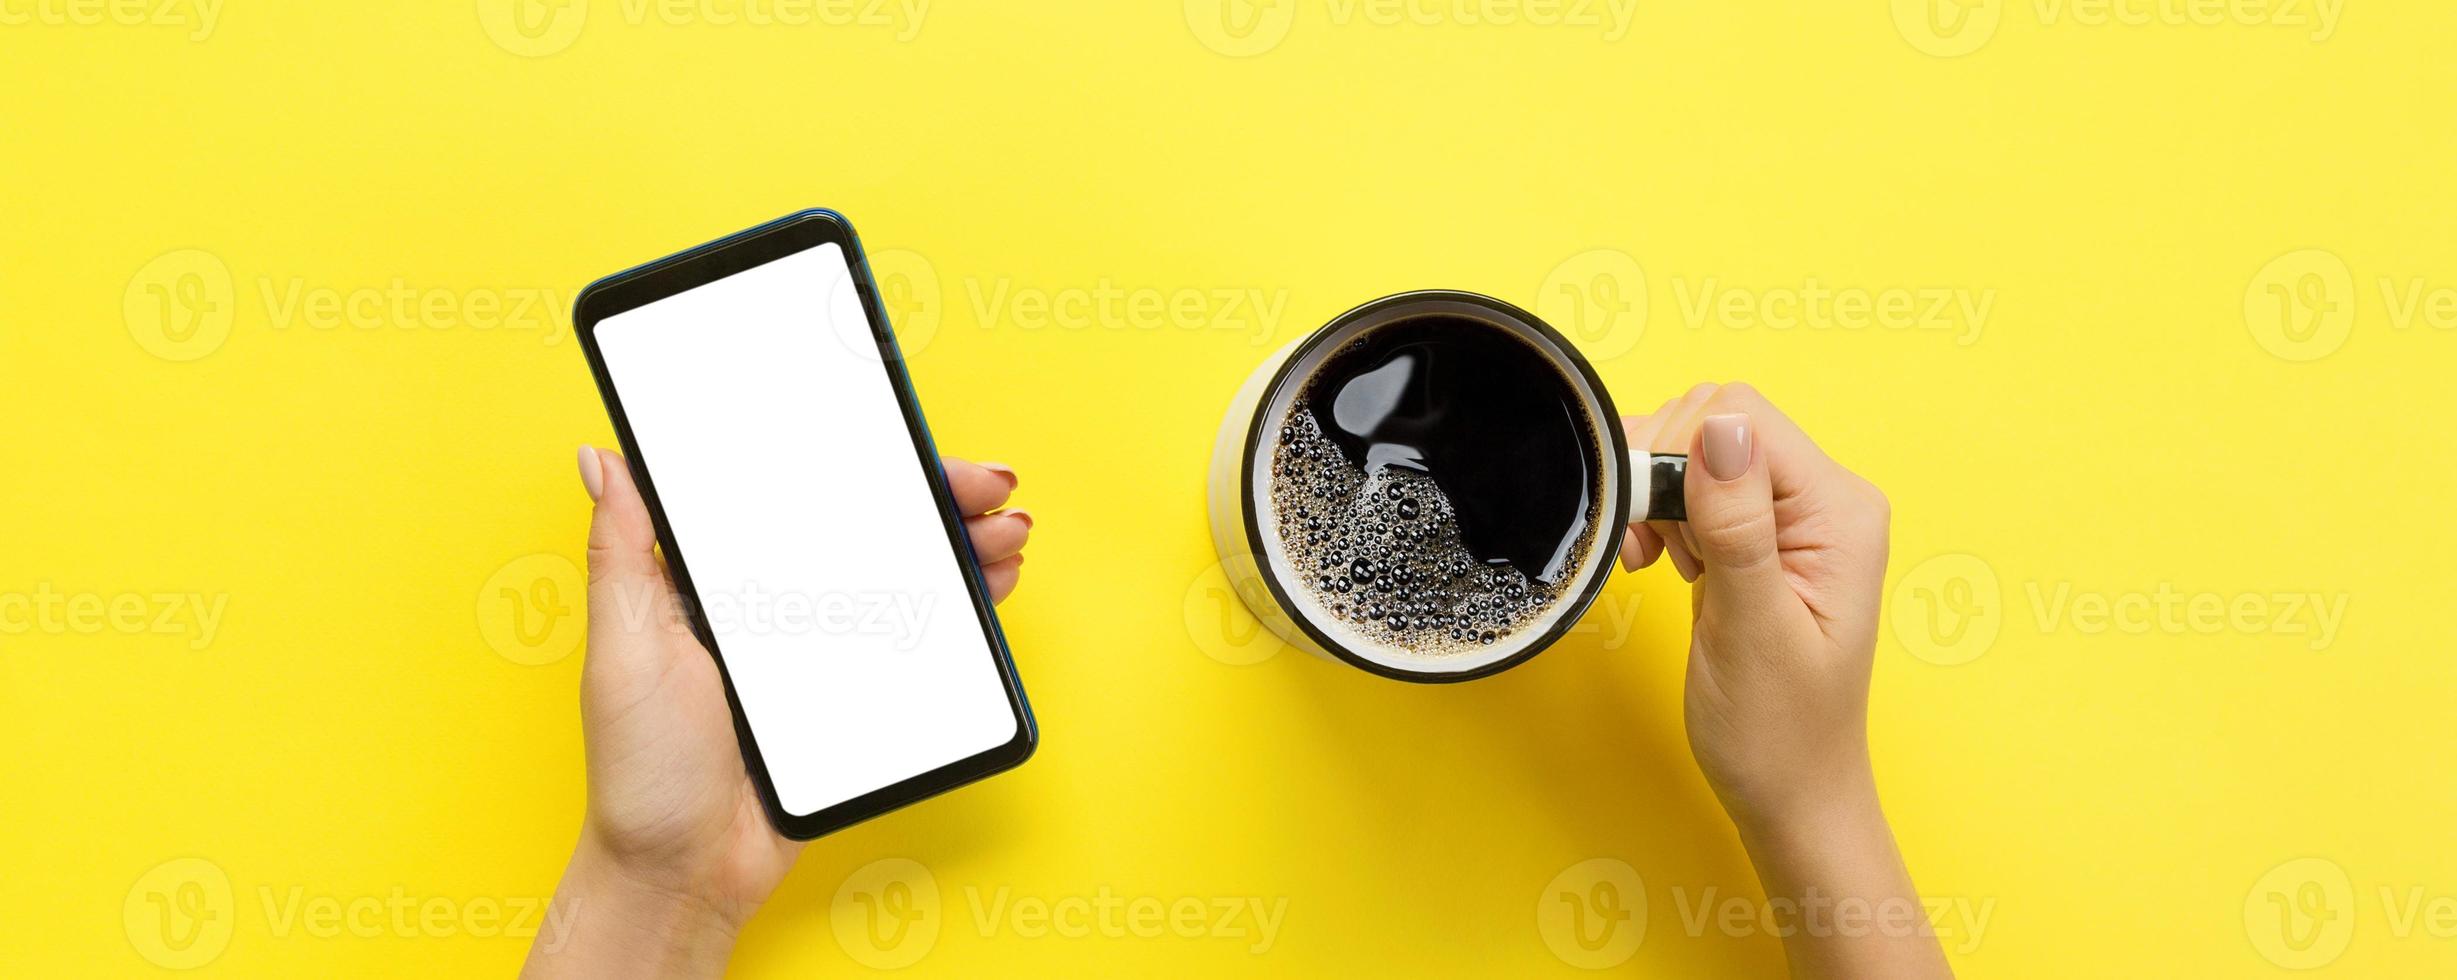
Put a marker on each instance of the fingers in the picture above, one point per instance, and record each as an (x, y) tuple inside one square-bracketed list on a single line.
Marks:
[(1731, 513), (979, 488), (628, 590), (622, 541), (1666, 431), (1000, 536), (1684, 560), (1640, 546), (1793, 461), (1679, 420), (1640, 543), (1001, 577)]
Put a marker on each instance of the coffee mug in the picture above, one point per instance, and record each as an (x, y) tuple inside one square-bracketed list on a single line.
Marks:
[(1246, 515)]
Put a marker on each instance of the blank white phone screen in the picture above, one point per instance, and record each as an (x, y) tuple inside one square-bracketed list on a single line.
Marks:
[(805, 518)]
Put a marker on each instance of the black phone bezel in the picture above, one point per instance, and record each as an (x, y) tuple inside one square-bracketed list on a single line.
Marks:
[(703, 264)]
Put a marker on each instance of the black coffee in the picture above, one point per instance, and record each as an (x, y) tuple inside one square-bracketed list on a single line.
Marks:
[(1437, 484)]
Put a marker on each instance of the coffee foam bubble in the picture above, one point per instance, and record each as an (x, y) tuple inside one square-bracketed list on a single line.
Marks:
[(1381, 551)]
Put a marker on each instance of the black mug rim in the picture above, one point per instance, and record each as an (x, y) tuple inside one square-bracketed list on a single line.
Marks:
[(1615, 450)]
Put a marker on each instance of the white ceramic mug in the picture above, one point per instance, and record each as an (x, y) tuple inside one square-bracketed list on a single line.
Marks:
[(1646, 487)]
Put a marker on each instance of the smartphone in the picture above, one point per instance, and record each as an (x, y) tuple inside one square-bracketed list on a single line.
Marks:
[(763, 405)]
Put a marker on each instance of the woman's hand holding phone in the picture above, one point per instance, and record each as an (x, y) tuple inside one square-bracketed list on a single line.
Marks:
[(675, 852)]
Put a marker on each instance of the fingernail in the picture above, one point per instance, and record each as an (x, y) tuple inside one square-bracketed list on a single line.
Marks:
[(1003, 470), (1024, 516), (1726, 441), (592, 471)]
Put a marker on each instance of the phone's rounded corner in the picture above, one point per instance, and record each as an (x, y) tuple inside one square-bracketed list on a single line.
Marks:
[(822, 215), (584, 322), (1020, 750), (798, 831)]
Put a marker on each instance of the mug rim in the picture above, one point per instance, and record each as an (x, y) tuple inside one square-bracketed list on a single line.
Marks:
[(1615, 450)]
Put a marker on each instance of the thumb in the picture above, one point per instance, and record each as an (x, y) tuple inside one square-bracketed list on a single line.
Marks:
[(1731, 514), (623, 572)]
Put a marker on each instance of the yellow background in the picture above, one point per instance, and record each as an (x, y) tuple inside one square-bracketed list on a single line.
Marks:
[(2118, 425)]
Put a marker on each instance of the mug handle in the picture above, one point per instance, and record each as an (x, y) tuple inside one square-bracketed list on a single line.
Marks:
[(1656, 483)]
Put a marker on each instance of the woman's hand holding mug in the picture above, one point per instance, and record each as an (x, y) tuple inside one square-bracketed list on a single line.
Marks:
[(1786, 551)]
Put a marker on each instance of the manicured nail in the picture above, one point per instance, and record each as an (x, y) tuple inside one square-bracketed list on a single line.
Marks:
[(592, 471), (1003, 470), (1024, 516), (1726, 441)]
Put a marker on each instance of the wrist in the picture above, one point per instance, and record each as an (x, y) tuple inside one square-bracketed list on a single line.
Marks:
[(635, 922), (1809, 810)]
